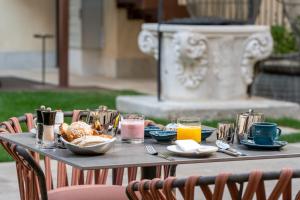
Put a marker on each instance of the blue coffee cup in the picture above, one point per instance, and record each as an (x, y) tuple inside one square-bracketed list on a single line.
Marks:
[(265, 133)]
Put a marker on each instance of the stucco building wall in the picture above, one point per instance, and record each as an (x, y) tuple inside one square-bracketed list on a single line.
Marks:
[(19, 20), (119, 56)]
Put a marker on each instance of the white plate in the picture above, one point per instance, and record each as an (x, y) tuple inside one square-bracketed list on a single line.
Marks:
[(205, 150)]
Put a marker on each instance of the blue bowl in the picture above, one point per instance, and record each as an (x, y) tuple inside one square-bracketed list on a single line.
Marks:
[(163, 136), (205, 133), (150, 128)]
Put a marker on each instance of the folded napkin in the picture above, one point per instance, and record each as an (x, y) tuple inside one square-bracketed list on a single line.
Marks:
[(188, 145)]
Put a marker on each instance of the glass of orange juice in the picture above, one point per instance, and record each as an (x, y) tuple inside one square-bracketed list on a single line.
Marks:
[(189, 128)]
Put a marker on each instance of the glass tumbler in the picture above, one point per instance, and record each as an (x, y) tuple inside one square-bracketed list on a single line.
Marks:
[(132, 128), (189, 128), (226, 132)]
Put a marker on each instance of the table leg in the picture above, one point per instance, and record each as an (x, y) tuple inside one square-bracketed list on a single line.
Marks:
[(173, 170), (148, 172), (114, 176)]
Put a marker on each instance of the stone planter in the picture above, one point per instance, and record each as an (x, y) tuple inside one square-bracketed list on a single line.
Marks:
[(206, 62)]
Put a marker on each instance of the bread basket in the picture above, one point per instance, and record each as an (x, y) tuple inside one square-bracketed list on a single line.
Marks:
[(89, 150)]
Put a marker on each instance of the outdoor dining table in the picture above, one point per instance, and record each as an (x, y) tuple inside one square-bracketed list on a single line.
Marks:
[(135, 155)]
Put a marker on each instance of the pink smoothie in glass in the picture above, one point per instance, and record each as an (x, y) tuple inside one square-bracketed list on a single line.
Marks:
[(132, 129)]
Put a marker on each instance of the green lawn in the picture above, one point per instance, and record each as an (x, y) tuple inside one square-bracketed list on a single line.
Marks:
[(17, 103)]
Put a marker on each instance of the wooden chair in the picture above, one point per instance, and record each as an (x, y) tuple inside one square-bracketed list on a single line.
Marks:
[(32, 174), (13, 126), (165, 189)]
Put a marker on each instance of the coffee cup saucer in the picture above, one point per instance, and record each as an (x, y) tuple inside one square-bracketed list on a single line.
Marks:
[(251, 144)]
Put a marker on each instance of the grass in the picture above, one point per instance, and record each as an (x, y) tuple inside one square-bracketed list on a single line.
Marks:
[(17, 103), (292, 123), (291, 138)]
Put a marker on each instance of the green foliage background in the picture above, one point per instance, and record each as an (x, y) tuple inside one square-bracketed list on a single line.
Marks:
[(284, 40)]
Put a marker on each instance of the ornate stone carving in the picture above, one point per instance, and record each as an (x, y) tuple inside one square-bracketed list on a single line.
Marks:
[(257, 47), (148, 43), (191, 58), (222, 57)]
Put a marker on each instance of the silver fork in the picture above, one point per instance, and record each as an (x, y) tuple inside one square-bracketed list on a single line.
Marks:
[(152, 151)]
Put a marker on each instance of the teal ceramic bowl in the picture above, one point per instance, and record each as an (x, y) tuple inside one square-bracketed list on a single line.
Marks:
[(163, 136), (205, 133), (150, 128)]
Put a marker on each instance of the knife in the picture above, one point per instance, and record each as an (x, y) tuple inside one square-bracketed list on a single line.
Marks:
[(225, 148), (231, 153)]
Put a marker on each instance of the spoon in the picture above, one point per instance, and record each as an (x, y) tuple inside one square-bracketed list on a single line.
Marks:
[(225, 148)]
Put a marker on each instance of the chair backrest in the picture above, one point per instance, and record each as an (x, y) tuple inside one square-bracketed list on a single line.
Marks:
[(32, 168), (13, 126), (166, 189)]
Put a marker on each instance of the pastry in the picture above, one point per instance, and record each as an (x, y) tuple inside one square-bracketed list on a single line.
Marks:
[(63, 128), (76, 130), (89, 141)]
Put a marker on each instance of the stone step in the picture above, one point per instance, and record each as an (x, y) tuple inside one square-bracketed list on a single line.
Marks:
[(206, 110)]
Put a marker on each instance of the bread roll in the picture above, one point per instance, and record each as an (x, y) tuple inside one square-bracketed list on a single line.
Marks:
[(89, 141), (77, 130)]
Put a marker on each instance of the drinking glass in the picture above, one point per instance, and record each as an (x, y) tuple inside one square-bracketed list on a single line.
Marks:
[(189, 128), (226, 132), (59, 120), (132, 128)]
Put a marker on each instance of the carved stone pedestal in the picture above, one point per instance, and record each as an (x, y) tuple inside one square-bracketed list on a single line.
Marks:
[(206, 62), (205, 72)]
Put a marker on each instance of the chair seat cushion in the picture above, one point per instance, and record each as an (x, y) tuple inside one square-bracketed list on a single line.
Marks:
[(88, 192)]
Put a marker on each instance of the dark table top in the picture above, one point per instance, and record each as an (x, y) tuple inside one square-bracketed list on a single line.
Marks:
[(126, 155)]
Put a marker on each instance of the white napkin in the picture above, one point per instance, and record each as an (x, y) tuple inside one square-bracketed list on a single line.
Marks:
[(188, 145)]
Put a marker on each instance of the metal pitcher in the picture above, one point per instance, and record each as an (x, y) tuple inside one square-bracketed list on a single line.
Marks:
[(103, 119), (244, 121)]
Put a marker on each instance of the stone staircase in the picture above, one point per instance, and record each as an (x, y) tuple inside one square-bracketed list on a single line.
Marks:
[(147, 9)]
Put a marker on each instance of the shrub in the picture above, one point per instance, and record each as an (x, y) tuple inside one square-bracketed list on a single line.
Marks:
[(284, 40)]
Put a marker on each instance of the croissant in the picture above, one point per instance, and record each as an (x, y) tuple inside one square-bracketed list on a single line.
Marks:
[(75, 130)]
